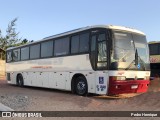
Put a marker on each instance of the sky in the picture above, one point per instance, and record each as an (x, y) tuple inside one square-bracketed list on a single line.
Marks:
[(42, 18)]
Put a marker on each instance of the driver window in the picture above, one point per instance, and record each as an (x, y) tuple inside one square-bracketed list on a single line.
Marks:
[(102, 51)]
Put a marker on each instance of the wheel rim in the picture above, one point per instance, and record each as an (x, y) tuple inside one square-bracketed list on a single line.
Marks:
[(81, 87), (19, 81)]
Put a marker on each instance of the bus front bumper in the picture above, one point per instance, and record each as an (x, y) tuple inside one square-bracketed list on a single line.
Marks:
[(127, 86)]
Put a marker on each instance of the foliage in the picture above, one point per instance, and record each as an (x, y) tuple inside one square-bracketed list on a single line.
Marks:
[(11, 36), (11, 39)]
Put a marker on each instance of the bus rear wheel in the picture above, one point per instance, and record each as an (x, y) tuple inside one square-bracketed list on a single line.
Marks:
[(81, 87), (20, 80)]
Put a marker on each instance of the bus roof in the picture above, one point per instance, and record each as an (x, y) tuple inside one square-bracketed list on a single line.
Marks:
[(153, 42), (85, 28)]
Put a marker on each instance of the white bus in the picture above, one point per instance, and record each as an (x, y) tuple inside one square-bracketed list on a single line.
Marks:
[(105, 60)]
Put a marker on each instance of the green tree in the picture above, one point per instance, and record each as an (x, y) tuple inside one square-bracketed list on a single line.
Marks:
[(11, 39), (11, 36)]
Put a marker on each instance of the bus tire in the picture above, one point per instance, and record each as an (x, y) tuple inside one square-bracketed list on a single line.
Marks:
[(20, 81), (81, 87)]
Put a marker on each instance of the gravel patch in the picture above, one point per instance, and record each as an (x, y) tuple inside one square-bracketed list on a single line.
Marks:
[(16, 102)]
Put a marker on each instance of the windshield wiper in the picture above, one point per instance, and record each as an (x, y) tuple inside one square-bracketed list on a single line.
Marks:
[(130, 65), (136, 58), (136, 61), (142, 62), (126, 54)]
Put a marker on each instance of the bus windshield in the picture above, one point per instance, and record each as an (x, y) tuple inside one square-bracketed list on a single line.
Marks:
[(124, 52)]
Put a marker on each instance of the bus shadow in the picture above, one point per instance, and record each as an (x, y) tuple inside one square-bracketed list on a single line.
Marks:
[(42, 89), (50, 90), (89, 95)]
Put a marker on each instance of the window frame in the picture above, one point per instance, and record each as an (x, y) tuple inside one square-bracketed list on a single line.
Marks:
[(83, 41), (7, 56), (158, 45), (52, 49), (71, 44), (28, 53), (54, 39), (67, 54), (108, 36), (17, 49), (79, 34)]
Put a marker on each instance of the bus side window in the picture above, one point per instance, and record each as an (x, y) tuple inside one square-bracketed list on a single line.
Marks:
[(154, 49), (84, 43), (47, 49), (9, 56), (93, 51), (80, 43), (35, 51), (16, 55), (102, 51), (61, 47), (25, 53), (74, 44)]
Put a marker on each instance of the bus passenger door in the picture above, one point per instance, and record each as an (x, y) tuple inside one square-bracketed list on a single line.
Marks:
[(98, 58), (98, 51)]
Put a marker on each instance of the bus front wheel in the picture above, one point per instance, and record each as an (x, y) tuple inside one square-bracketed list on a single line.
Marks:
[(81, 86), (20, 80)]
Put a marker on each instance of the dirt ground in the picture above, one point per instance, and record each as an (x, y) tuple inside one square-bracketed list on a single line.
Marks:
[(41, 99)]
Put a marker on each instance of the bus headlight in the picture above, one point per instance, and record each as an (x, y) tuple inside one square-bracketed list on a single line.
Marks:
[(118, 78), (147, 78)]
